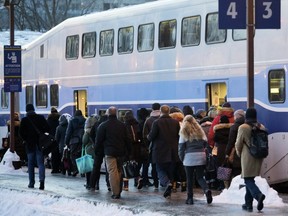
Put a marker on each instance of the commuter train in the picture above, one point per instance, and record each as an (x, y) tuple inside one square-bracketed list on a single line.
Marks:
[(167, 51)]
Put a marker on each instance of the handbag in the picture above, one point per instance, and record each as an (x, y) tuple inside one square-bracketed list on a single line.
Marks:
[(85, 162), (130, 169), (210, 163), (224, 172), (46, 142)]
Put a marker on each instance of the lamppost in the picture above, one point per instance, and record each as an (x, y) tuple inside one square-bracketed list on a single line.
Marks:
[(10, 5)]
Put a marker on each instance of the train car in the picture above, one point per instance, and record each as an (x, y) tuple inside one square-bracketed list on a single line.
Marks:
[(171, 52)]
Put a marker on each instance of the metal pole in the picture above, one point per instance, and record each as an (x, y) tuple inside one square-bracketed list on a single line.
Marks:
[(250, 53), (12, 96)]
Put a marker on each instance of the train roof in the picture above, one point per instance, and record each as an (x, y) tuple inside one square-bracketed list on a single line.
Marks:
[(118, 13)]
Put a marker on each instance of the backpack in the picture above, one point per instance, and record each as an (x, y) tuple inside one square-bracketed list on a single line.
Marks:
[(259, 143)]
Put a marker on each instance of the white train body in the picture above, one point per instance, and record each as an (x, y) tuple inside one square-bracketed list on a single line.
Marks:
[(200, 75)]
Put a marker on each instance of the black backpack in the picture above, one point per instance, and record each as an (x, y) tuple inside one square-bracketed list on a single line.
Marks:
[(259, 142)]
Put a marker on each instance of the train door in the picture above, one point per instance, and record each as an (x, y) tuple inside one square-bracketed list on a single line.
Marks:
[(80, 101), (216, 93)]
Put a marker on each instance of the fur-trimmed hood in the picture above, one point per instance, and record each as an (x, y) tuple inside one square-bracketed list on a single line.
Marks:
[(222, 126)]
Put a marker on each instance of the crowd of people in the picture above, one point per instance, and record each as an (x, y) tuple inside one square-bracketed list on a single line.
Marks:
[(174, 142)]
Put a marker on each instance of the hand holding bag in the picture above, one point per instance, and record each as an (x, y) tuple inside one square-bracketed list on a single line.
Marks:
[(84, 163), (130, 169)]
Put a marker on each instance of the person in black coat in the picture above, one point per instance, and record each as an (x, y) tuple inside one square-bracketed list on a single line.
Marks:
[(164, 137), (53, 121), (239, 116), (65, 163), (112, 135), (30, 136), (73, 138)]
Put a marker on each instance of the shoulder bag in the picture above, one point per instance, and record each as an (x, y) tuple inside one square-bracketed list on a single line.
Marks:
[(46, 142)]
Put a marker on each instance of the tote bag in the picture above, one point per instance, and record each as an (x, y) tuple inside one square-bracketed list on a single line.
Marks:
[(85, 163)]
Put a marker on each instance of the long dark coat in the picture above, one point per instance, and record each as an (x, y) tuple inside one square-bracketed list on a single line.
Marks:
[(164, 136)]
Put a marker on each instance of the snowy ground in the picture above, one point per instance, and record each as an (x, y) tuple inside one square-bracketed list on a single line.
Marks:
[(31, 202)]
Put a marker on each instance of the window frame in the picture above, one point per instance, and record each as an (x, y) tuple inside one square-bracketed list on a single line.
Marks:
[(126, 49), (70, 44), (199, 30), (41, 93), (217, 30), (101, 43), (173, 43), (280, 98), (92, 53), (150, 40)]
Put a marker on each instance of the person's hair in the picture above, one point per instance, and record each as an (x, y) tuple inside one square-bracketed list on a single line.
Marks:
[(112, 111), (165, 109), (78, 113), (156, 106), (191, 129), (187, 110), (239, 113)]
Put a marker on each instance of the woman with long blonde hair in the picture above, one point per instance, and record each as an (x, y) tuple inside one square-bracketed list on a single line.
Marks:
[(192, 144)]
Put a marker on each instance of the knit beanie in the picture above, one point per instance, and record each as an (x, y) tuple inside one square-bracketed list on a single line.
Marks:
[(30, 107), (251, 113)]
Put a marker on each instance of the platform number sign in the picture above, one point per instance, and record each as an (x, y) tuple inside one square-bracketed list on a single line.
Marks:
[(267, 14), (233, 13)]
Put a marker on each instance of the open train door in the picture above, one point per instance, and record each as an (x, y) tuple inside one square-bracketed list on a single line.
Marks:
[(216, 93), (80, 101)]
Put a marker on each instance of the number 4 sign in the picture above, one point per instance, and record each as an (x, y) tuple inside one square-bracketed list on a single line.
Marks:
[(232, 14)]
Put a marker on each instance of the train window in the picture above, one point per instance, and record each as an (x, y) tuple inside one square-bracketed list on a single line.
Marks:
[(4, 99), (121, 114), (89, 45), (146, 37), (72, 47), (239, 34), (167, 34), (102, 112), (54, 95), (277, 88), (191, 29), (125, 39), (106, 43), (213, 33), (29, 94), (41, 96)]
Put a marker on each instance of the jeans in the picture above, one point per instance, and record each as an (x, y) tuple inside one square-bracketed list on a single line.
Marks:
[(165, 173), (199, 171), (252, 191), (35, 156)]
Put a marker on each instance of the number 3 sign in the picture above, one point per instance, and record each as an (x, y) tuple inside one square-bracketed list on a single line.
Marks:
[(232, 14)]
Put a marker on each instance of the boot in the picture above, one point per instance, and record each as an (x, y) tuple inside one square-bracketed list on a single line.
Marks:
[(189, 200), (125, 184), (174, 186), (183, 186), (41, 185)]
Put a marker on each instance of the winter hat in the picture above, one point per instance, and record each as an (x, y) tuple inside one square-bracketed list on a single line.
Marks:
[(156, 106), (78, 113), (30, 107), (54, 110), (251, 113), (187, 110), (226, 104), (224, 119)]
